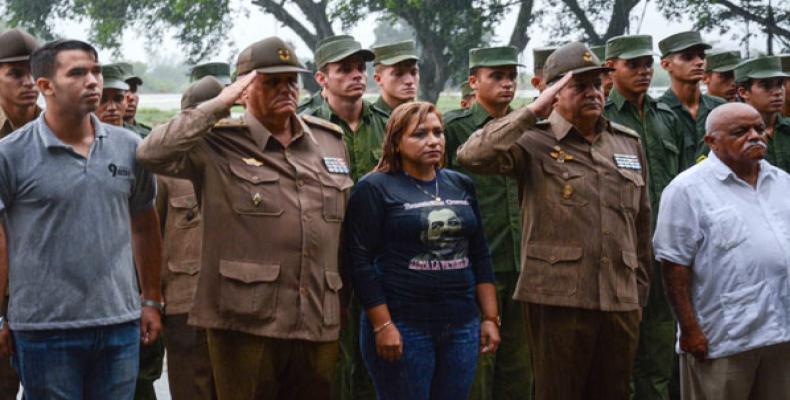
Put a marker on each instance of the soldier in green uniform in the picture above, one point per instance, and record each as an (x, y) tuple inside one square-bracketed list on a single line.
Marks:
[(683, 57), (539, 56), (785, 59), (467, 95), (761, 84), (719, 73), (316, 99), (396, 73), (600, 52), (493, 76), (341, 63), (133, 99), (219, 70), (661, 134)]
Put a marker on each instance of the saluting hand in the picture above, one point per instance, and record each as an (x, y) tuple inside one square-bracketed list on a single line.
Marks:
[(235, 90), (543, 105)]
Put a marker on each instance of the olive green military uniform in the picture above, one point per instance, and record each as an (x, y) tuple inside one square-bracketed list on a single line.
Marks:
[(135, 126), (779, 144), (15, 45), (381, 106), (719, 60), (785, 60), (693, 129), (311, 103), (662, 139)]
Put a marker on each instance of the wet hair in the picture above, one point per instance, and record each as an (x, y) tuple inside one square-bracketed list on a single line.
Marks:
[(403, 121), (43, 61)]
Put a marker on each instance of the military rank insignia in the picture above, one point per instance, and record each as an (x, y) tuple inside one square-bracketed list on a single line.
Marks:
[(336, 165), (627, 161)]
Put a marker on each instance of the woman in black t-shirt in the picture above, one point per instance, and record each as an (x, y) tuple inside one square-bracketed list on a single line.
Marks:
[(420, 265)]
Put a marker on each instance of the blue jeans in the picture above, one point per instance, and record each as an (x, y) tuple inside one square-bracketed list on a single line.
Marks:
[(438, 361), (85, 363)]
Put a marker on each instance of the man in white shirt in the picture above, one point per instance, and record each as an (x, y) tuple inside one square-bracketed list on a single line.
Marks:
[(723, 238)]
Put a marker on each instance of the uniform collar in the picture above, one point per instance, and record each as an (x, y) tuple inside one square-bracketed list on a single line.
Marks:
[(50, 140), (560, 127), (669, 98), (383, 105), (5, 121), (261, 135), (619, 100), (782, 121), (479, 114), (721, 171), (326, 112)]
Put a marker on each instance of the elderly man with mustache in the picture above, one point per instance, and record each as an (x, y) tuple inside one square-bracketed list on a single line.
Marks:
[(722, 235)]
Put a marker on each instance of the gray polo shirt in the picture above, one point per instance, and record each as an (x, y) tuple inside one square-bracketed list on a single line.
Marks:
[(68, 221)]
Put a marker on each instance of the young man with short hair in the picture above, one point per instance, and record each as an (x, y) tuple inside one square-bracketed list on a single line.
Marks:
[(114, 100), (539, 56), (132, 100), (719, 73), (397, 74)]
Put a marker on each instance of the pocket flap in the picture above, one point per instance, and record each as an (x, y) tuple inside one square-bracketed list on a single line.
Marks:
[(248, 272), (333, 280), (340, 182), (671, 147), (630, 259), (552, 253), (188, 201), (553, 167), (185, 267), (632, 176), (253, 174)]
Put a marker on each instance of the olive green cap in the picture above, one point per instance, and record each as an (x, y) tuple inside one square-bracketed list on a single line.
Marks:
[(681, 41), (269, 56), (493, 57), (203, 89), (785, 60), (114, 75), (16, 45), (718, 60), (759, 68), (600, 52), (393, 53), (628, 47), (128, 74), (540, 55), (573, 57), (219, 70), (466, 90), (336, 48)]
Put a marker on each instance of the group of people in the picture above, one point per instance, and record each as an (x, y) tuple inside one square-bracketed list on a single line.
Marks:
[(338, 248)]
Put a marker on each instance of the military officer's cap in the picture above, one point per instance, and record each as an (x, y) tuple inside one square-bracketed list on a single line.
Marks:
[(573, 57), (219, 70), (204, 89), (336, 48), (114, 75), (393, 53), (718, 60), (16, 45), (269, 56), (466, 90), (785, 60), (128, 74), (765, 67), (493, 57), (600, 52), (540, 55), (628, 47), (681, 41)]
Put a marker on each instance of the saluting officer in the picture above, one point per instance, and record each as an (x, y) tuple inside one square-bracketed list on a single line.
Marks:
[(273, 188)]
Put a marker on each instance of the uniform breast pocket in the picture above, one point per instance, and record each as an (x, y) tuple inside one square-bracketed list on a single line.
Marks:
[(331, 298), (256, 190), (248, 289), (564, 185), (727, 229), (185, 211), (334, 190), (631, 192)]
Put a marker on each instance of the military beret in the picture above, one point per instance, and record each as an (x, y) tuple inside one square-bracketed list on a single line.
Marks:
[(393, 53), (466, 90), (681, 41), (203, 89), (573, 57), (785, 60), (628, 47), (493, 57), (540, 55), (219, 70), (759, 68), (718, 60), (128, 72), (269, 56), (16, 45), (114, 75), (336, 48)]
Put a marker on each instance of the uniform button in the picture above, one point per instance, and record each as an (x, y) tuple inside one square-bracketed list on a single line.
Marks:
[(304, 217), (190, 215), (604, 260), (552, 258), (565, 175), (606, 232), (255, 178), (302, 290), (300, 183)]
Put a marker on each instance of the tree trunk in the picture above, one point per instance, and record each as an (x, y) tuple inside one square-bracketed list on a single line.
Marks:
[(519, 38), (434, 71)]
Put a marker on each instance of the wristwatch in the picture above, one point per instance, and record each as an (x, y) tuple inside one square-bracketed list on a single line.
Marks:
[(155, 304), (2, 322)]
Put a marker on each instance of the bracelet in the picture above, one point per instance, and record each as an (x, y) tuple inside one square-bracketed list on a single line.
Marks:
[(382, 327), (496, 320), (153, 303)]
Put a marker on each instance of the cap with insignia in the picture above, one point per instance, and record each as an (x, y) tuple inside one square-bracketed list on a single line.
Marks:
[(114, 75), (16, 45), (128, 74), (628, 47), (759, 68), (573, 57), (718, 60), (466, 90), (681, 41), (393, 53), (540, 55), (219, 70), (204, 89), (336, 48), (785, 60), (600, 52), (269, 56), (493, 57)]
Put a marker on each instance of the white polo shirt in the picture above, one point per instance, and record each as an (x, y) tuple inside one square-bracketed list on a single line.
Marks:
[(736, 238)]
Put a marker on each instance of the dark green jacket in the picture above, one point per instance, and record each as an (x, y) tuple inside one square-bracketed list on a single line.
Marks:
[(382, 106), (694, 130), (312, 102), (365, 145), (779, 145), (662, 137), (497, 195), (138, 128)]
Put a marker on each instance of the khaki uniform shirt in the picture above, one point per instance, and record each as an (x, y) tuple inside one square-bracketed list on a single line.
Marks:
[(585, 206), (182, 236), (6, 127), (272, 218)]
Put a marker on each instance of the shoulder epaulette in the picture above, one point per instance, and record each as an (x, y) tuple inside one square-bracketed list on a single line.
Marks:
[(624, 129), (664, 107), (453, 115), (231, 122), (311, 120), (376, 109)]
